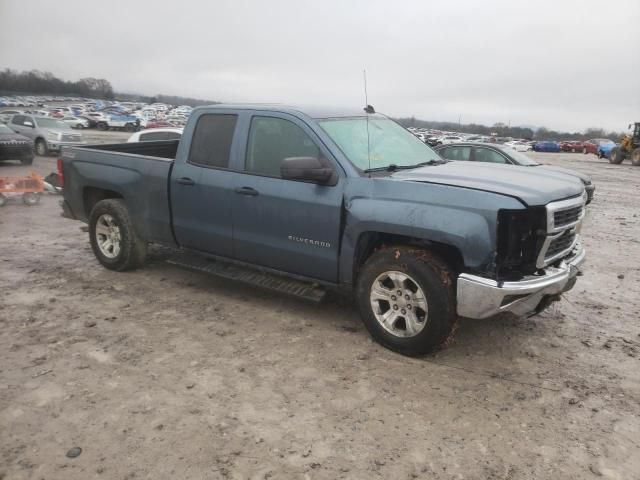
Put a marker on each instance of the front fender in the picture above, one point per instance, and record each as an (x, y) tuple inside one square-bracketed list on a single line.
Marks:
[(462, 218)]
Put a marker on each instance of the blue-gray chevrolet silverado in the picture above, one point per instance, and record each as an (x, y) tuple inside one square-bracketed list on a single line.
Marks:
[(344, 200)]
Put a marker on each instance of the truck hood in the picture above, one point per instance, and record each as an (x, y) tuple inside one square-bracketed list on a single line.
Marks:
[(586, 179), (532, 186)]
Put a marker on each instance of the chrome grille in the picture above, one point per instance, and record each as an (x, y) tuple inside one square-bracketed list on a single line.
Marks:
[(563, 219), (71, 137), (569, 216), (560, 244)]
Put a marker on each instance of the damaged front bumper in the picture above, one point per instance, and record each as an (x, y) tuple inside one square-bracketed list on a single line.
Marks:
[(480, 297)]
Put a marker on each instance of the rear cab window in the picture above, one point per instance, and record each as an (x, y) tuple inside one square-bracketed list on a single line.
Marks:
[(212, 139)]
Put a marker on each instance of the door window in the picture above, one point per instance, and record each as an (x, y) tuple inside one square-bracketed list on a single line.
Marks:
[(211, 143), (18, 119), (456, 153), (271, 140), (488, 155)]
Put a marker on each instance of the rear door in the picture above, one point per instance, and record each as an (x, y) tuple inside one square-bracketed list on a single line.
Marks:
[(287, 225), (202, 186)]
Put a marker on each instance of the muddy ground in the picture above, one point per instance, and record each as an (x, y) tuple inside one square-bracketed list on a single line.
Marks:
[(167, 374)]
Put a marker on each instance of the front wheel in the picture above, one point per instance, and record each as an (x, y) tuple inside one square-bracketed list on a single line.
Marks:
[(114, 240), (41, 148), (635, 157), (616, 156), (406, 299)]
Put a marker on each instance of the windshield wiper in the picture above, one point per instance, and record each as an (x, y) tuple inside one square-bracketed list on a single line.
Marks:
[(389, 168), (393, 167), (428, 162)]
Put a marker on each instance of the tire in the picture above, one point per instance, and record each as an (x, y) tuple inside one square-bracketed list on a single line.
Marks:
[(114, 241), (584, 150), (26, 160), (635, 157), (79, 126), (130, 127), (30, 198), (407, 268), (616, 156), (41, 148)]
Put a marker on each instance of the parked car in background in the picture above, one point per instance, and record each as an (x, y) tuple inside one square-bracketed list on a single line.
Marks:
[(156, 134), (76, 122), (519, 146), (159, 124), (5, 116), (572, 146), (546, 146), (446, 139), (604, 148), (47, 134), (14, 146), (90, 120), (494, 153)]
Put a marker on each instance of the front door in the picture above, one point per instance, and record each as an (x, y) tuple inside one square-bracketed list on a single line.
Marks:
[(287, 225)]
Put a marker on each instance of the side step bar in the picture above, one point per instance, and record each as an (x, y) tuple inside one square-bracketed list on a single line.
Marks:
[(249, 276)]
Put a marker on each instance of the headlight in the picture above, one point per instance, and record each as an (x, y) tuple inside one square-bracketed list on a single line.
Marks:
[(520, 237)]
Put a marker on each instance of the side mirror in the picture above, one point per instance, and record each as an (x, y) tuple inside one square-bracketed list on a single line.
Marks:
[(27, 123), (308, 169)]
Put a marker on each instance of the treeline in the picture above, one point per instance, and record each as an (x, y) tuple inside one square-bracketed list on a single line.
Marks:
[(170, 99), (36, 82), (502, 130)]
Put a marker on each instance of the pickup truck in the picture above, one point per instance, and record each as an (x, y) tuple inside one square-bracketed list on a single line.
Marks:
[(341, 199)]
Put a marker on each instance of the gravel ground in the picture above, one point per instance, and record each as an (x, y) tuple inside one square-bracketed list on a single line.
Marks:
[(164, 373)]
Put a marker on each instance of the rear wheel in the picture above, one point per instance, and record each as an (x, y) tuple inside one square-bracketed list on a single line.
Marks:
[(616, 156), (406, 299), (635, 157), (41, 148), (114, 240), (130, 127)]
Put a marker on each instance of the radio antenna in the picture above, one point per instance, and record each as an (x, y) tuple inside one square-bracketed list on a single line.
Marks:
[(368, 109)]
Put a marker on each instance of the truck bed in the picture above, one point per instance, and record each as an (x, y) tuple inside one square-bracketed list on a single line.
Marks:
[(136, 171), (158, 149)]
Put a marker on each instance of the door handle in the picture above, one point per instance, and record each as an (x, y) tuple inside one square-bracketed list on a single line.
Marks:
[(185, 181), (247, 191)]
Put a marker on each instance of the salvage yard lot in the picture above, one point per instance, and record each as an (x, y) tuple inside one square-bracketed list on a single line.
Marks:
[(165, 373)]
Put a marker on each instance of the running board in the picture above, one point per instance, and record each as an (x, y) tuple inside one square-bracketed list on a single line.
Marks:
[(249, 276)]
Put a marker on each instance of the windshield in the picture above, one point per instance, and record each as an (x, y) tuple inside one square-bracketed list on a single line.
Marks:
[(522, 159), (51, 123), (389, 143), (5, 129)]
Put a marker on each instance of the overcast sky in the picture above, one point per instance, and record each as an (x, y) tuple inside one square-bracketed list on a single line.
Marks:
[(561, 64)]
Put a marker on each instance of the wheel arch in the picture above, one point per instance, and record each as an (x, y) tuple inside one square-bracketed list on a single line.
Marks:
[(370, 241), (92, 195)]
